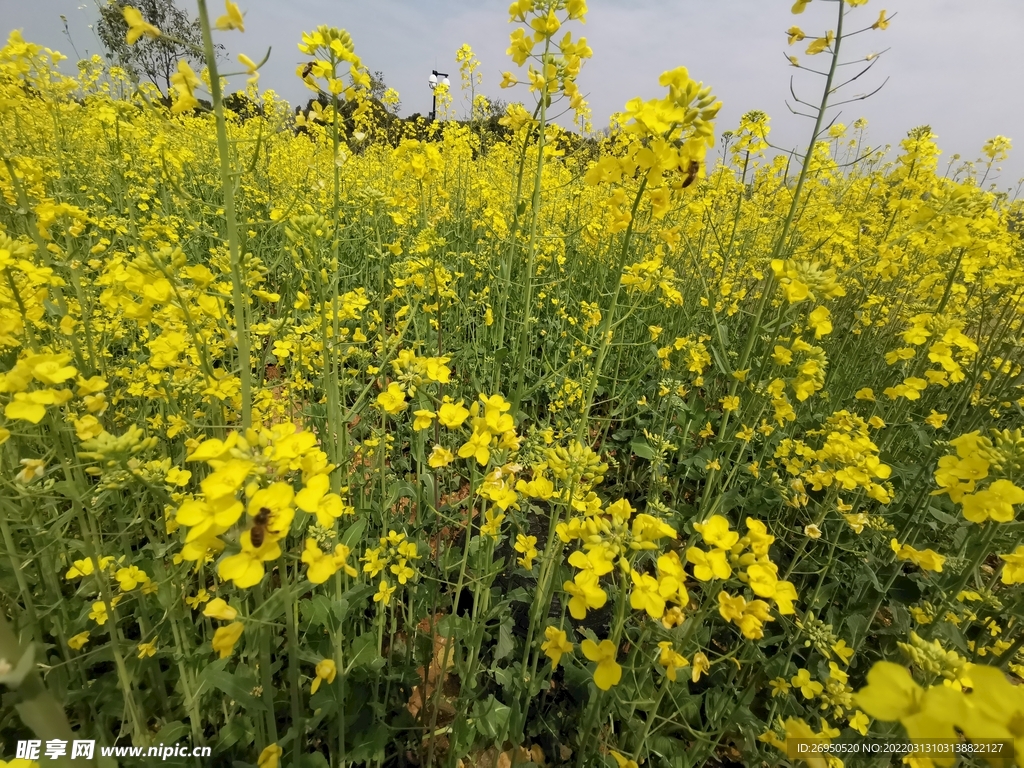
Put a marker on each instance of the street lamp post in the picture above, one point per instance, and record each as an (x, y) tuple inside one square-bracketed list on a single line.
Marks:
[(433, 82)]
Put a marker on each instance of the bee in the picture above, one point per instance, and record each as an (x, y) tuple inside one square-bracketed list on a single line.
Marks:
[(307, 69), (691, 173), (259, 527)]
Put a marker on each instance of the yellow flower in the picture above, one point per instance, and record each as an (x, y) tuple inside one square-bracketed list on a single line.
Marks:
[(809, 688), (621, 761), (323, 565), (608, 672), (935, 419), (224, 638), (452, 415), (246, 568), (763, 579), (545, 26), (730, 403), (843, 651), (383, 593), (860, 722), (27, 407), (731, 608), (99, 612), (821, 321), (315, 498), (478, 447), (147, 649), (77, 642), (51, 369), (928, 560), (700, 666), (392, 400), (219, 609), (129, 578), (326, 670), (596, 560), (137, 26), (646, 595), (1013, 571), (492, 524), (716, 532), (30, 470), (555, 645), (586, 594), (402, 572), (226, 480), (795, 34), (277, 498), (780, 686), (671, 659), (891, 693), (819, 45), (270, 757), (995, 502), (527, 546), (85, 567), (232, 19), (709, 565), (253, 70), (424, 418), (440, 457)]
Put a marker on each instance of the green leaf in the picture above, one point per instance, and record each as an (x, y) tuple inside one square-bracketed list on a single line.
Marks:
[(642, 449), (952, 635), (316, 612), (234, 685), (356, 595), (505, 642), (491, 719), (364, 652), (171, 732), (16, 674), (238, 730), (368, 743), (354, 533), (313, 760), (942, 517)]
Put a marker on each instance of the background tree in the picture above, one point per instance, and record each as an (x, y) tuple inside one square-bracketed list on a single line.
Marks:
[(154, 60), (379, 90)]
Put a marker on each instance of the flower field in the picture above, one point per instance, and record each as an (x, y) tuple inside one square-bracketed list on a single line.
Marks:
[(329, 438)]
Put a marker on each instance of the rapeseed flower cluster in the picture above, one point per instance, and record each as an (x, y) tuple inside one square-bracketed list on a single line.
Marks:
[(436, 430)]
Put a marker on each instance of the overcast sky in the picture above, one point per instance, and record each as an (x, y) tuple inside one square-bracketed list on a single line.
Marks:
[(955, 65)]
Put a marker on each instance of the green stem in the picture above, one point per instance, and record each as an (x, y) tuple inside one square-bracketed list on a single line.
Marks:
[(238, 296), (531, 259), (38, 709)]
